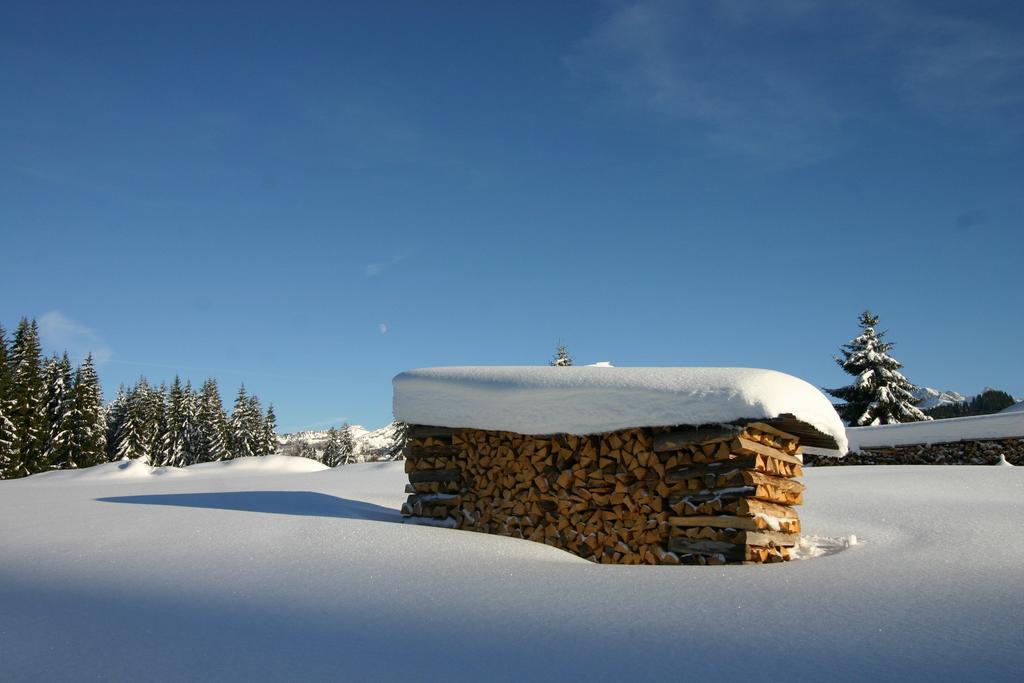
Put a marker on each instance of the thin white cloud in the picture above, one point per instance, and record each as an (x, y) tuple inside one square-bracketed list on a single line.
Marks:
[(374, 269), (740, 74), (957, 67), (383, 327), (59, 333), (699, 64)]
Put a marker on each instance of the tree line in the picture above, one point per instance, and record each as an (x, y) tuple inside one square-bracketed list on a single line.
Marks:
[(52, 416), (987, 402)]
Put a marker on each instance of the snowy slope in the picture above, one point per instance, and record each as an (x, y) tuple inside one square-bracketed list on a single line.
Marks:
[(1017, 407), (590, 400), (265, 574), (999, 426)]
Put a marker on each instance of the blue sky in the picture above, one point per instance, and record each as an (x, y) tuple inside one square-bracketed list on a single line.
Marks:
[(315, 197)]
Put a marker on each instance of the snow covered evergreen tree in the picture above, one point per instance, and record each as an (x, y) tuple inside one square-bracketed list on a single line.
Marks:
[(256, 426), (27, 401), (562, 358), (332, 454), (347, 445), (269, 431), (176, 437), (90, 430), (115, 414), (880, 394), (156, 424), (397, 447), (306, 450), (245, 429), (189, 425), (135, 434), (59, 414), (211, 425), (6, 424)]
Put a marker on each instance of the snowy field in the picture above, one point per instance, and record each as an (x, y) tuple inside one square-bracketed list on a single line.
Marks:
[(277, 569)]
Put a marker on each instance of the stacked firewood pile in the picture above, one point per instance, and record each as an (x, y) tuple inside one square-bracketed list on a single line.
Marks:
[(970, 452), (708, 495)]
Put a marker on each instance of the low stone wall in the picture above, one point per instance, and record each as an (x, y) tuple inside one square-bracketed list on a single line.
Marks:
[(982, 452)]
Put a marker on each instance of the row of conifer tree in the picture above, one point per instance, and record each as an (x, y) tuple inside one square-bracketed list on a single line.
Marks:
[(52, 416)]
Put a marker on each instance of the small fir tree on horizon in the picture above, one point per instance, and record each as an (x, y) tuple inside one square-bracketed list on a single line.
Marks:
[(562, 358), (880, 394)]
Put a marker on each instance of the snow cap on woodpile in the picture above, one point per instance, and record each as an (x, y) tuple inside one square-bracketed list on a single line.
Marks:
[(592, 400)]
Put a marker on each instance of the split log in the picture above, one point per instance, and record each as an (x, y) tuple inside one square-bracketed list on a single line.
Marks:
[(673, 441), (427, 431), (435, 475)]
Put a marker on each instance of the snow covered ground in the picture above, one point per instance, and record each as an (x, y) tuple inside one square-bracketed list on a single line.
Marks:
[(278, 569)]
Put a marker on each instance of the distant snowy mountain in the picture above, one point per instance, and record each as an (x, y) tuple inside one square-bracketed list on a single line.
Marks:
[(369, 445), (933, 398), (1017, 407)]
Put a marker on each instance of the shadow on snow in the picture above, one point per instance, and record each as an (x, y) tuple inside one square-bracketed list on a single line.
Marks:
[(303, 503)]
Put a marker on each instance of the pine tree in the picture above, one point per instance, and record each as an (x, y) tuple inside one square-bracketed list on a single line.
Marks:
[(134, 438), (211, 425), (26, 402), (175, 437), (306, 450), (880, 394), (270, 431), (115, 414), (562, 358), (332, 454), (6, 424), (59, 414), (244, 438), (155, 406), (90, 430), (347, 445), (400, 436), (255, 425), (189, 425)]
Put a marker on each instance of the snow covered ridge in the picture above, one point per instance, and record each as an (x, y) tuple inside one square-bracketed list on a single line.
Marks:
[(999, 426), (929, 398), (592, 400), (367, 443)]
